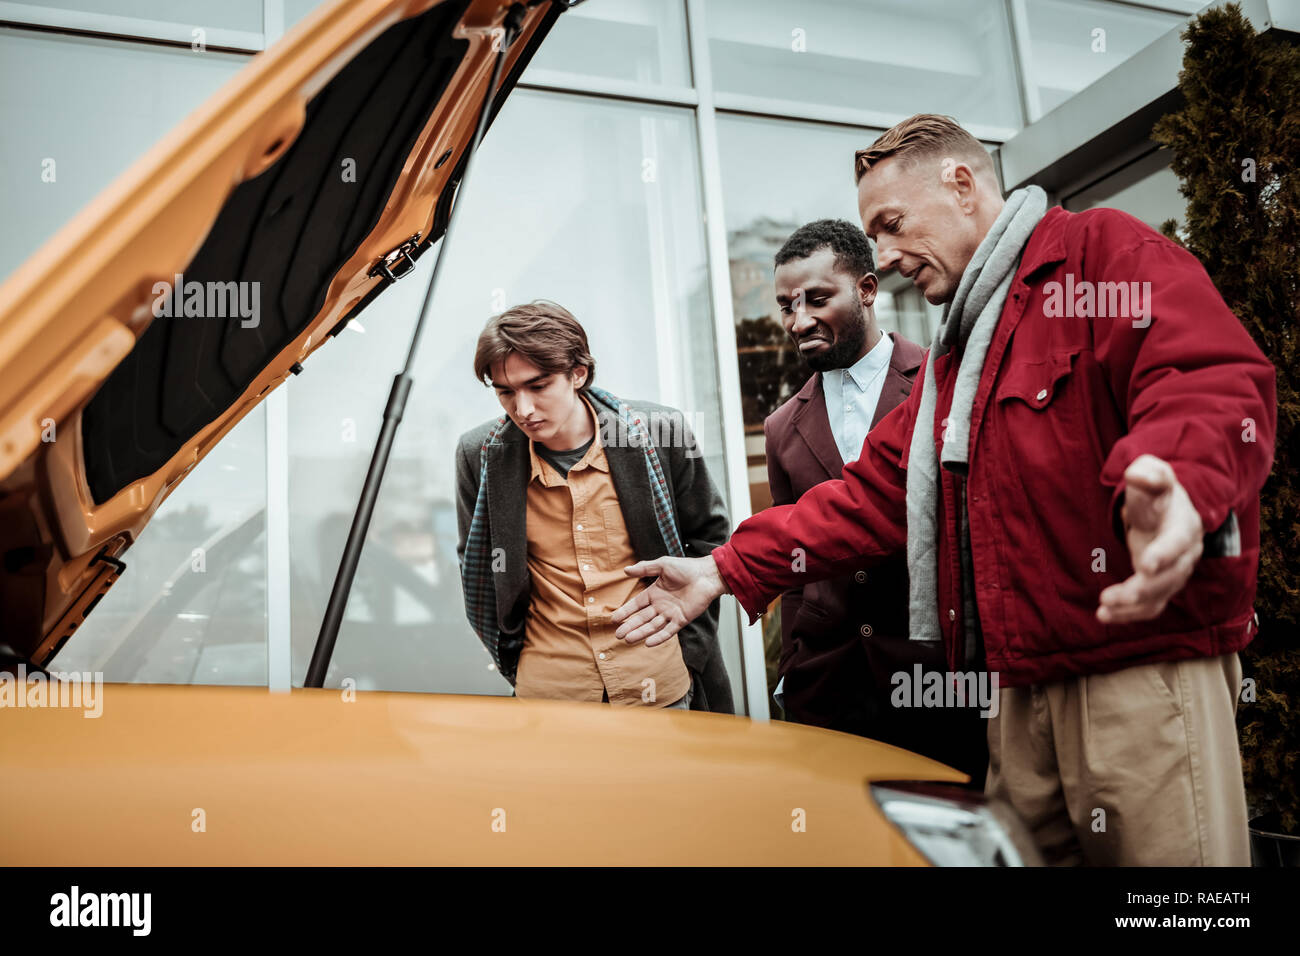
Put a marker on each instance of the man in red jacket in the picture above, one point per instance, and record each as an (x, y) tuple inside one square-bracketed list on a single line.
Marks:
[(1075, 481)]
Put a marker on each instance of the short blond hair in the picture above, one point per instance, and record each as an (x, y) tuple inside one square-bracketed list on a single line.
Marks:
[(923, 135)]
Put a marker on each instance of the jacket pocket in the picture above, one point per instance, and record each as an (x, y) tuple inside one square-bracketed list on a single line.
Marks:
[(1036, 384), (812, 626)]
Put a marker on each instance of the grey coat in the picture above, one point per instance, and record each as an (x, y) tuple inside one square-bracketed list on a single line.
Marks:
[(701, 517)]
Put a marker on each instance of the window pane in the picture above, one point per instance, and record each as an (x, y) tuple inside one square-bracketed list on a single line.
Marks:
[(643, 41), (242, 15), (191, 606), (896, 57), (1073, 43), (1147, 189), (77, 112), (592, 204), (295, 10)]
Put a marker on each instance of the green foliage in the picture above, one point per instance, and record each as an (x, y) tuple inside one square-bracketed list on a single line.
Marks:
[(1236, 145)]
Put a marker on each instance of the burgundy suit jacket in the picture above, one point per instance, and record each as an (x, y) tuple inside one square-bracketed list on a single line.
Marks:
[(843, 638), (828, 626)]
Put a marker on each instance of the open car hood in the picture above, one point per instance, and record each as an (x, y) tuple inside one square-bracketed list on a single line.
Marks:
[(107, 401)]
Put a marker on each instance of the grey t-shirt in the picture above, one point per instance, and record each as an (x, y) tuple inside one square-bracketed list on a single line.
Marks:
[(562, 461)]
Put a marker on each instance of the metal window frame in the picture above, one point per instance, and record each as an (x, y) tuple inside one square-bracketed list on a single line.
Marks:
[(753, 657), (134, 29), (1031, 106)]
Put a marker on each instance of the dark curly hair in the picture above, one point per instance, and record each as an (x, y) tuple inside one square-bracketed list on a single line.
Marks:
[(847, 241)]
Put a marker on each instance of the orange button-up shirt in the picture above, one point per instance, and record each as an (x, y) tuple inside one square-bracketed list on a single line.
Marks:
[(578, 546)]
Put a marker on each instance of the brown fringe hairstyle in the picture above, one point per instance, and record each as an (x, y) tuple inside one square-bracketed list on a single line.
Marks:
[(545, 333), (925, 134)]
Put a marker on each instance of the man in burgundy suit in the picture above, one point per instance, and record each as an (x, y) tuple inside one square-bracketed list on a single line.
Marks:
[(841, 638)]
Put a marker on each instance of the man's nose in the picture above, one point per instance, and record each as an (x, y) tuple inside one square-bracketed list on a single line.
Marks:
[(804, 322), (886, 255), (523, 407)]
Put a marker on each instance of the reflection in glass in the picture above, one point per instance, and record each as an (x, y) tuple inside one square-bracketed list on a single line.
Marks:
[(89, 107), (191, 606)]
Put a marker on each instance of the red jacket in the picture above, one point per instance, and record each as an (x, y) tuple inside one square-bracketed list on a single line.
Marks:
[(1070, 395)]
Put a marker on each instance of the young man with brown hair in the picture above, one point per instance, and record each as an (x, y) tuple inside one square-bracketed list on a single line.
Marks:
[(555, 498), (1075, 481)]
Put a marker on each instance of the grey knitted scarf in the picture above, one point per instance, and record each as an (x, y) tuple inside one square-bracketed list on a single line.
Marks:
[(968, 323)]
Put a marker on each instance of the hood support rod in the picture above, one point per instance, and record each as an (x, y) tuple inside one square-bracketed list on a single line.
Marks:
[(329, 629)]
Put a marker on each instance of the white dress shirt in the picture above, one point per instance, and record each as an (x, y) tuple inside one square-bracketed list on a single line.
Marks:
[(852, 395)]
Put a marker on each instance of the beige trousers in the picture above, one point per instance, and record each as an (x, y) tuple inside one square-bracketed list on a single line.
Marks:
[(1139, 767)]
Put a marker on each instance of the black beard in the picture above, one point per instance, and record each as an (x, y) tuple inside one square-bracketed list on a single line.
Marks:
[(843, 351)]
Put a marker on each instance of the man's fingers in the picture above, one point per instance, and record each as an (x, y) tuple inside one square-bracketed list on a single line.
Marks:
[(1142, 588), (1141, 596), (635, 621), (668, 631), (644, 569), (1147, 482), (634, 604), (649, 627), (1172, 544), (1150, 474)]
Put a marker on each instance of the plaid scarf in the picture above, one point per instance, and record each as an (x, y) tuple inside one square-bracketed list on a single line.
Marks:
[(476, 572)]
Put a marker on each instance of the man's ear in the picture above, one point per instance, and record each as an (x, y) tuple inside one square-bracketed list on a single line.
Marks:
[(867, 288), (964, 181), (579, 374)]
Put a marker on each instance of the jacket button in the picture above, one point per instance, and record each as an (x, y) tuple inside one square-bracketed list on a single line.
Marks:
[(860, 577), (865, 630), (1041, 395), (952, 615)]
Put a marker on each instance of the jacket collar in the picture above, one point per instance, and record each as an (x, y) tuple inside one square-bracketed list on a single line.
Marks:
[(810, 419), (1046, 245), (903, 364)]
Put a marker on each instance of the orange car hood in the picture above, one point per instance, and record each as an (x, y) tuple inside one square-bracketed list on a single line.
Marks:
[(106, 402), (225, 775)]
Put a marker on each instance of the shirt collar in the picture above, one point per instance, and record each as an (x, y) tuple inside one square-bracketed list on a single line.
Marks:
[(594, 458), (864, 370)]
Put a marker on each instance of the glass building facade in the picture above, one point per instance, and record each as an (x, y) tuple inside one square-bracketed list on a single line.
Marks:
[(653, 158)]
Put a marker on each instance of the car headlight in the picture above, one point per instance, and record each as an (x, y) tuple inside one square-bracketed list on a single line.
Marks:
[(952, 826)]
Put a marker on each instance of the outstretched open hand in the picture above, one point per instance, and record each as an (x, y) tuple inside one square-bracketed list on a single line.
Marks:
[(683, 590)]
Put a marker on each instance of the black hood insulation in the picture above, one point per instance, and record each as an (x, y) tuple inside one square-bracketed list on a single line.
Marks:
[(289, 229)]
